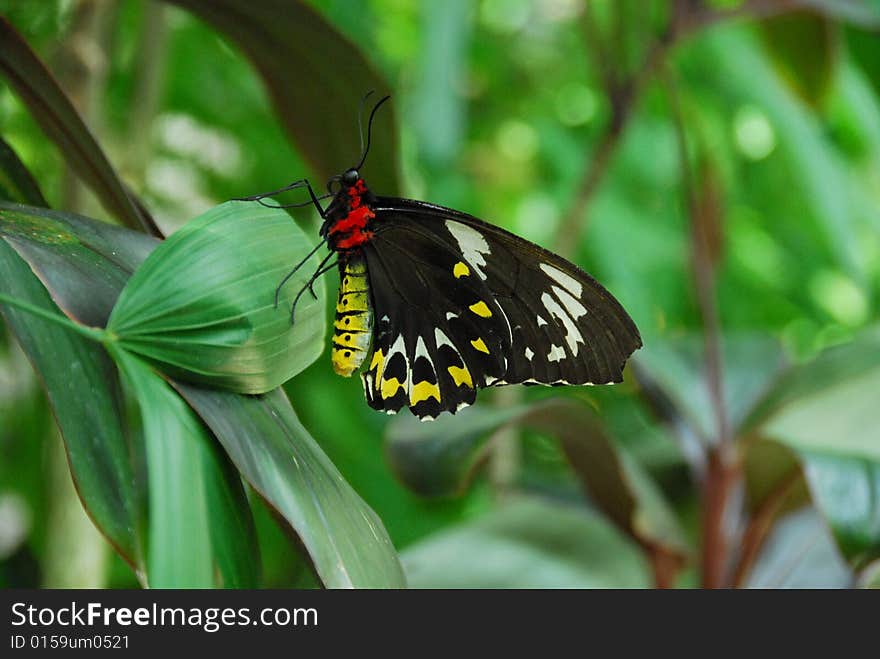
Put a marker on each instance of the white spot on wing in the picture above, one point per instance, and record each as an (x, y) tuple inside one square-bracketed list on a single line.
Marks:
[(472, 245), (529, 353), (442, 339), (557, 353), (572, 306), (569, 282), (450, 315), (541, 321), (572, 335)]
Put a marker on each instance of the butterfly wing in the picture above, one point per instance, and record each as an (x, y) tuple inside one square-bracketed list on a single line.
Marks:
[(461, 304)]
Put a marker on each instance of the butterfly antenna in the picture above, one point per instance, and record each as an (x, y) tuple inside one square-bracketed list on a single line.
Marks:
[(361, 117), (370, 130)]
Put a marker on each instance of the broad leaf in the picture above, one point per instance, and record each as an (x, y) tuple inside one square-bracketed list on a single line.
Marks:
[(803, 47), (202, 304), (438, 460), (83, 389), (56, 115), (528, 543), (263, 437), (197, 504), (315, 77), (83, 263), (800, 553), (827, 413)]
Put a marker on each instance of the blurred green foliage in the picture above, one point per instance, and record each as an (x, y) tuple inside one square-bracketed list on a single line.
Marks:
[(503, 110)]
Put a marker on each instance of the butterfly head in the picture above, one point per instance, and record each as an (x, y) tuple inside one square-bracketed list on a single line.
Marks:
[(350, 177)]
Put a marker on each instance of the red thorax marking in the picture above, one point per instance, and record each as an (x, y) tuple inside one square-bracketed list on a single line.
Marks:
[(356, 221)]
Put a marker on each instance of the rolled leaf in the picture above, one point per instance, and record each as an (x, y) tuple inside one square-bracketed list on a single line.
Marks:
[(202, 304)]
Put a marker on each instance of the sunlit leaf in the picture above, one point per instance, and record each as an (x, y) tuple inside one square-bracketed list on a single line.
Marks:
[(202, 304), (315, 77), (56, 115), (527, 543), (264, 439)]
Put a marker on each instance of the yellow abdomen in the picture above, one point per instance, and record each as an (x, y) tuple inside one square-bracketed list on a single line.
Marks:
[(353, 326)]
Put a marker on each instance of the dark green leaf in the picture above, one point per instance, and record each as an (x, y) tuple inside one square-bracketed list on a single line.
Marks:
[(827, 412), (865, 13), (202, 303), (263, 437), (437, 460), (750, 363), (83, 389), (528, 543), (803, 47), (16, 182), (316, 78), (847, 491), (83, 263), (56, 115)]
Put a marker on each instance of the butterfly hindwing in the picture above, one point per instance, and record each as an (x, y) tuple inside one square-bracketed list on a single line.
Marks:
[(439, 337)]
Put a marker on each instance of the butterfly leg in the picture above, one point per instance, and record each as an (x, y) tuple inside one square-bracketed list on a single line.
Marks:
[(322, 269), (297, 267)]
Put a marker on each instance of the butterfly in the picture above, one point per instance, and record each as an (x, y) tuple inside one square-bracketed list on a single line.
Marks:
[(434, 303)]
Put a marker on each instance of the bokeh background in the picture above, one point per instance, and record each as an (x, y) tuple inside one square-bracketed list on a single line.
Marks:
[(716, 165)]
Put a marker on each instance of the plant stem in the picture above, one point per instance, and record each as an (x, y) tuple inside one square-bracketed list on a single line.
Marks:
[(92, 333)]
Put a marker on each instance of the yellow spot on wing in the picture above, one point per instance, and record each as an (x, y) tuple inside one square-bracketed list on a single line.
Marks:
[(390, 387), (378, 363), (460, 376), (423, 391), (479, 345), (461, 270), (481, 309)]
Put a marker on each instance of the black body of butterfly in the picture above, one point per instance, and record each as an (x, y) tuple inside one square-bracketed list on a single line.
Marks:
[(436, 304)]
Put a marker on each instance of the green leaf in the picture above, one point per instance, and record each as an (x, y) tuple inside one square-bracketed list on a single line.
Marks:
[(847, 491), (437, 460), (263, 437), (827, 413), (528, 543), (842, 420), (298, 54), (833, 367), (865, 13), (179, 551), (202, 303), (83, 390), (16, 182), (676, 364), (803, 48), (55, 114), (83, 263), (800, 553)]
